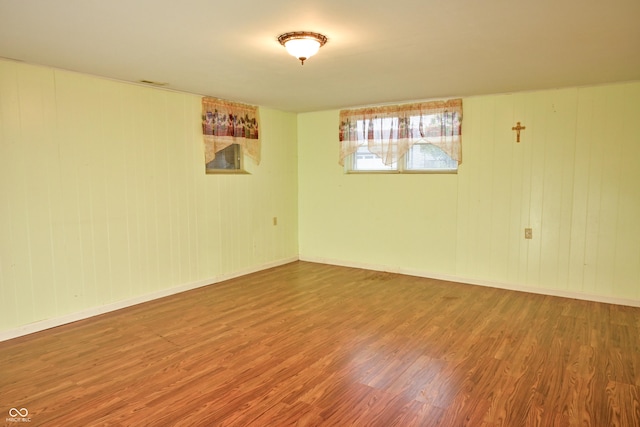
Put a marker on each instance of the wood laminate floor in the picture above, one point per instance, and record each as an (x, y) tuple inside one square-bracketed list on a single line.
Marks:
[(316, 345)]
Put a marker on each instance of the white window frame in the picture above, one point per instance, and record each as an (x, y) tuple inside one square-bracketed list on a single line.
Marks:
[(400, 167), (238, 163)]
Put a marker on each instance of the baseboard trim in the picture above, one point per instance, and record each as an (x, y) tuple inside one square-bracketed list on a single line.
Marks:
[(95, 311), (477, 282)]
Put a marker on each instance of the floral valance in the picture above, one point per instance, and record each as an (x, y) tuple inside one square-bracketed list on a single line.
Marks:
[(225, 123), (389, 131)]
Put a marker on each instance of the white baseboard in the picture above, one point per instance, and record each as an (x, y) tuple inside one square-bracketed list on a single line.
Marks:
[(95, 311), (478, 282)]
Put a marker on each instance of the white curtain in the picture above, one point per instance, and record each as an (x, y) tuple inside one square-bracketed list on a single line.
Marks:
[(389, 131)]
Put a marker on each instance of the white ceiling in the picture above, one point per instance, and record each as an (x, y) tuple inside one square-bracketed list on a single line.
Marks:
[(378, 51)]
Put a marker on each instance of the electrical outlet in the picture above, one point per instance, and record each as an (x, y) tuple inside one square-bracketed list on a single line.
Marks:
[(528, 233)]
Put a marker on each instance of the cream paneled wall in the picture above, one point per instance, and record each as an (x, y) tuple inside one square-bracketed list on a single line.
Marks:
[(104, 196), (574, 179)]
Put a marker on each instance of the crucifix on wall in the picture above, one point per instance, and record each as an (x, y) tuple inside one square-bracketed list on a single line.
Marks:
[(518, 128)]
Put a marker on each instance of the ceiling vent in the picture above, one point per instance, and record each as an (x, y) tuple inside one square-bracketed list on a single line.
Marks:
[(151, 82)]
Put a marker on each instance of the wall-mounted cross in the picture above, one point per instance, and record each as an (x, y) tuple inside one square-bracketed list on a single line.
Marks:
[(518, 128)]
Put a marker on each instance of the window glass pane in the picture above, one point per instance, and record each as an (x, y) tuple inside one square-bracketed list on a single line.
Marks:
[(429, 157), (422, 156), (364, 160), (226, 159)]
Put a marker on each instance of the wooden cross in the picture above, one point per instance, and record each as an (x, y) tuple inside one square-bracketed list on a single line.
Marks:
[(518, 128)]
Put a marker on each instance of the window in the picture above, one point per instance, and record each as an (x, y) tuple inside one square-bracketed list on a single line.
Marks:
[(227, 159), (421, 157), (365, 161), (230, 131), (422, 137), (428, 157)]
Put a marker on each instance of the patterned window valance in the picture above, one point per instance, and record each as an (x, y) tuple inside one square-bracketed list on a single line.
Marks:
[(225, 123), (389, 131)]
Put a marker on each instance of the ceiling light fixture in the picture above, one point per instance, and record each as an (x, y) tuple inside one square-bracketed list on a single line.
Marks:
[(302, 44)]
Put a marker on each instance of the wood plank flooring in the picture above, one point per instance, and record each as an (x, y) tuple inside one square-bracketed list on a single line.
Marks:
[(316, 345)]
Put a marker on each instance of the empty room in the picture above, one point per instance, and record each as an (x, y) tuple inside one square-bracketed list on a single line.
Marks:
[(295, 213)]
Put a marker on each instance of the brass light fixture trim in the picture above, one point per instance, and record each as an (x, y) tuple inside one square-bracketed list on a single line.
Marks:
[(302, 44)]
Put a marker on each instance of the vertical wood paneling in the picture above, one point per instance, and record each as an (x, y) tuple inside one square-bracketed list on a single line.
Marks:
[(123, 158), (596, 153), (243, 234), (627, 260), (526, 110), (566, 131), (477, 158), (550, 190), (536, 135), (111, 134), (573, 179), (502, 172), (178, 177), (559, 145), (482, 191), (104, 195), (11, 182), (191, 157), (36, 90), (463, 219), (609, 192), (136, 159), (72, 253), (518, 194), (582, 181), (566, 182), (20, 229)]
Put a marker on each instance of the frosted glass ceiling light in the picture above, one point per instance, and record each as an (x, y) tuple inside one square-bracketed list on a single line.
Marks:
[(302, 44)]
